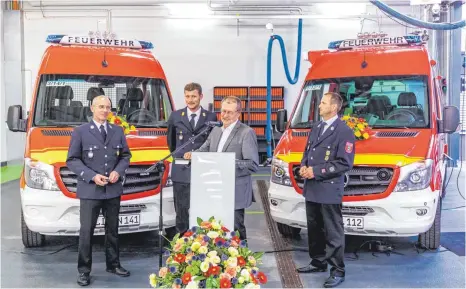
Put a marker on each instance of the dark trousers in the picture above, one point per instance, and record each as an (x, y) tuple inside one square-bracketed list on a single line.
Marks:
[(326, 236), (89, 212), (239, 224), (181, 197)]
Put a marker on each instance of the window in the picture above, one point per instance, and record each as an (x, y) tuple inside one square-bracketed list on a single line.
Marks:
[(65, 100), (383, 101)]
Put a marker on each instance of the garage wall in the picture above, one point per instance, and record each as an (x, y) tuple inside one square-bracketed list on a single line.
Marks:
[(212, 52), (2, 97)]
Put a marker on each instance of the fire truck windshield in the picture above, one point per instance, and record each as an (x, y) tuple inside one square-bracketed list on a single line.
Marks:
[(383, 101), (65, 100)]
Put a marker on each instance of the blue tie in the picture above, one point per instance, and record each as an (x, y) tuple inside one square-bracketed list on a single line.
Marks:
[(321, 131), (103, 132)]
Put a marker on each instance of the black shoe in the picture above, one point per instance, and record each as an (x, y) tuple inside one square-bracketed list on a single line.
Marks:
[(120, 271), (84, 279), (333, 281), (311, 269)]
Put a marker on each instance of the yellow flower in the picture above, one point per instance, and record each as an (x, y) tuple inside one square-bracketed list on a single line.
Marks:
[(357, 133), (202, 250), (195, 246), (233, 252), (361, 126), (126, 131), (216, 225), (133, 127), (252, 260), (241, 280), (365, 135), (215, 259), (204, 266)]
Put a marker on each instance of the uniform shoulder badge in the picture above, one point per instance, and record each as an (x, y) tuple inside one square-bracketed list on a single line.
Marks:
[(349, 147)]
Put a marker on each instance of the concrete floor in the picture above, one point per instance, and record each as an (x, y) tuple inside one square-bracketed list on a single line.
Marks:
[(44, 267)]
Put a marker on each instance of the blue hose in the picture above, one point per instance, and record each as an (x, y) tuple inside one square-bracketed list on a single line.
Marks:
[(268, 133), (413, 21)]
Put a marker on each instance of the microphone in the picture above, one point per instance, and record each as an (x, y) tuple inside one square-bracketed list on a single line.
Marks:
[(214, 123)]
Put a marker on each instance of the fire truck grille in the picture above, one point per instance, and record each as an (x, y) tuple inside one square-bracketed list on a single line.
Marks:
[(136, 179), (359, 181)]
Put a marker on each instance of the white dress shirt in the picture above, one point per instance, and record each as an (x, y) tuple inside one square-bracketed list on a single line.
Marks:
[(329, 123), (197, 113), (225, 134), (99, 124)]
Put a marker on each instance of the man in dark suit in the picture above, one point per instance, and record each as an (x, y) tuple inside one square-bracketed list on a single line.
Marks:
[(99, 156), (328, 156), (235, 136), (183, 124)]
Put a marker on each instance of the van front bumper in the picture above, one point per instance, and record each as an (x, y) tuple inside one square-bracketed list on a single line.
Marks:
[(52, 213), (400, 214)]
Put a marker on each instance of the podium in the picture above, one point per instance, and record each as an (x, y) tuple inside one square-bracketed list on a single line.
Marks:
[(212, 188)]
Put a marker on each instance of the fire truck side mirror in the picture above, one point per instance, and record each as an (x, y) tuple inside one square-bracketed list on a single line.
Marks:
[(451, 120), (14, 119), (281, 120)]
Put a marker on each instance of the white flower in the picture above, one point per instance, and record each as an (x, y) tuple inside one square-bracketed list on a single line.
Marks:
[(203, 250), (232, 262), (245, 273), (233, 252), (215, 259), (192, 285), (241, 280), (204, 266), (249, 286), (212, 254), (212, 234)]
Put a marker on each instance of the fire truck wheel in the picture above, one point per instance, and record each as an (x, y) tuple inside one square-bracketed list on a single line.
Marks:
[(288, 231), (431, 238), (30, 238)]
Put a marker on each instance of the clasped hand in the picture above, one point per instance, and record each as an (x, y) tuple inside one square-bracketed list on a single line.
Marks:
[(306, 172), (101, 180)]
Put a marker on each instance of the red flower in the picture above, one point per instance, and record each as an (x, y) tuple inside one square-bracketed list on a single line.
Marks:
[(253, 279), (206, 225), (225, 229), (186, 278), (236, 239), (188, 233), (117, 121), (219, 239), (262, 277), (180, 258), (214, 270), (225, 283), (241, 261)]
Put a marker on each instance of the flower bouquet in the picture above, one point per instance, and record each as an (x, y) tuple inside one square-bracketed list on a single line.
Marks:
[(209, 256), (359, 126), (121, 121)]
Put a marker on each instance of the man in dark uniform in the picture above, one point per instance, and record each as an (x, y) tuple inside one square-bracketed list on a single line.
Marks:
[(328, 156), (99, 156), (182, 125)]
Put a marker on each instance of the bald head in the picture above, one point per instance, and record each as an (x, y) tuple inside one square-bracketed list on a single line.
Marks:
[(100, 108)]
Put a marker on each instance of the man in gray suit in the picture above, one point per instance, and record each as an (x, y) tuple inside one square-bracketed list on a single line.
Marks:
[(239, 138)]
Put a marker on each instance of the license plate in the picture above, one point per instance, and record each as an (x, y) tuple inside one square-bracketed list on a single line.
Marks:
[(125, 220), (354, 222)]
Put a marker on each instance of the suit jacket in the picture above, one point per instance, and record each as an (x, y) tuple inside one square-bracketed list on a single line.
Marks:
[(179, 132), (243, 142), (330, 157), (89, 155)]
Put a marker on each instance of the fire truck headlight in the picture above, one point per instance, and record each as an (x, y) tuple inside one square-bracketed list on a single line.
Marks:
[(415, 176), (39, 175), (280, 172)]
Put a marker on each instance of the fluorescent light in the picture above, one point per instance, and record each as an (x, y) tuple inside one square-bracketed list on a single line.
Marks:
[(341, 9), (188, 9)]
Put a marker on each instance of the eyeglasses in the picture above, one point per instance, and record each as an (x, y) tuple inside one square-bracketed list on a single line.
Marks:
[(228, 112)]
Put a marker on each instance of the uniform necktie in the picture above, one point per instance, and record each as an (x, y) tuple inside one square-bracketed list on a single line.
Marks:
[(192, 120), (322, 126), (103, 132)]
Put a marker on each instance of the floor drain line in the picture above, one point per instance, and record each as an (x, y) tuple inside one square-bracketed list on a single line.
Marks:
[(286, 267)]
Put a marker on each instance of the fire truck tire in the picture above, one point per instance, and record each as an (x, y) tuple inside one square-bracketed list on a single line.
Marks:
[(288, 231), (431, 238), (30, 239)]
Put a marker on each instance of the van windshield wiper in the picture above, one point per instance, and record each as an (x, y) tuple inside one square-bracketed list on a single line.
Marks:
[(59, 124), (305, 124)]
